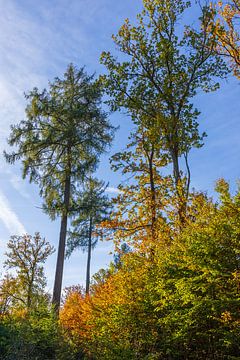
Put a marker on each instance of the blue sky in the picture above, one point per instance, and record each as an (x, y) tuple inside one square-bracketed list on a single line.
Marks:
[(37, 42)]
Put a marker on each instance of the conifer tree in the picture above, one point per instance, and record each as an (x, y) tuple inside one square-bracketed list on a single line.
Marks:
[(92, 207), (61, 139)]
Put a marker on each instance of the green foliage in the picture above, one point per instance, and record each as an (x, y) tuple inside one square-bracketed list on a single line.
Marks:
[(60, 141), (181, 304), (35, 337), (162, 69), (92, 207), (29, 329), (141, 205), (91, 203), (25, 257), (64, 132), (198, 282), (173, 290)]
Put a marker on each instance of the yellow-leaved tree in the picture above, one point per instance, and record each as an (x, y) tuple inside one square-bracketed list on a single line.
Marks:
[(225, 28)]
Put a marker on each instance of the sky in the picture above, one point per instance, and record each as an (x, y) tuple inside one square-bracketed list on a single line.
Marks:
[(37, 42)]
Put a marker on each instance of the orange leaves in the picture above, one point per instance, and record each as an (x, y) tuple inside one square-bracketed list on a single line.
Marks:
[(139, 218), (116, 310), (74, 316), (140, 306)]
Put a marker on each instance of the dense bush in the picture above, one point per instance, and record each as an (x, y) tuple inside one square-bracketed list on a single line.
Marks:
[(33, 336)]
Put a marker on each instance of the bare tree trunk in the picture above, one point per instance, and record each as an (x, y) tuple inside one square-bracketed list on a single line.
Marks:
[(176, 171), (153, 215), (181, 189), (89, 256), (153, 197), (29, 297), (61, 248), (29, 293)]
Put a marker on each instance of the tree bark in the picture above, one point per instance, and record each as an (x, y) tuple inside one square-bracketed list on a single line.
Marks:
[(29, 298), (153, 197), (89, 256), (61, 248), (176, 171), (181, 191)]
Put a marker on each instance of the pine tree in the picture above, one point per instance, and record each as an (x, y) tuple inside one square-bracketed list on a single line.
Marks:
[(92, 207), (64, 134)]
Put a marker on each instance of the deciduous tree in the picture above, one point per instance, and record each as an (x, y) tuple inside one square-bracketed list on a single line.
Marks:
[(225, 27), (141, 207), (184, 305), (25, 256), (158, 75)]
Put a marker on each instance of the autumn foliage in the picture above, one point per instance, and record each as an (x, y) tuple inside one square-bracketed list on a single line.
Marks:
[(172, 290), (184, 304), (225, 29)]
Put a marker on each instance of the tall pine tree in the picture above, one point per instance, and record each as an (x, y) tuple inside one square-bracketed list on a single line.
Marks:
[(61, 139)]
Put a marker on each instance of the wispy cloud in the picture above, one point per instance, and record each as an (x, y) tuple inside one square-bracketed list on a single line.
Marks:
[(18, 184), (113, 190), (9, 218)]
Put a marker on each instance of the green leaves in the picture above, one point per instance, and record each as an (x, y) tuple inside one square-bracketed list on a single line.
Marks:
[(197, 283), (64, 132), (89, 203), (159, 73), (59, 143), (182, 303), (26, 256)]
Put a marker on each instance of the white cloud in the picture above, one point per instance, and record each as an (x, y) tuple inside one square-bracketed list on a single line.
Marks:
[(9, 218), (113, 190)]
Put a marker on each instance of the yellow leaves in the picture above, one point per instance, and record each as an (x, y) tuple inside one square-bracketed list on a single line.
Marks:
[(20, 313), (222, 187), (226, 30), (230, 320), (86, 318), (192, 279), (124, 31), (138, 217), (236, 279), (226, 316)]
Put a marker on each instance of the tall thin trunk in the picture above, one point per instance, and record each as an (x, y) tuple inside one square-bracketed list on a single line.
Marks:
[(61, 247), (153, 197), (150, 157), (180, 187), (89, 256), (29, 297), (176, 171), (188, 174), (30, 288)]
